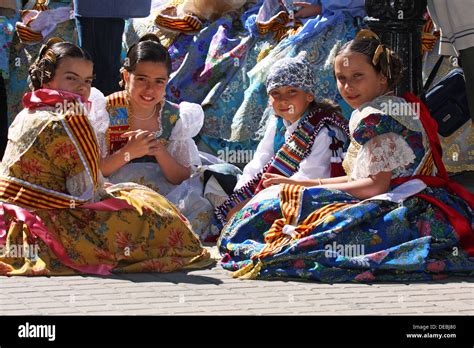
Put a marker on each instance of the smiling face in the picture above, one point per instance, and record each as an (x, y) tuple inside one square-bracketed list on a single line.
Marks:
[(357, 80), (147, 84), (290, 103), (73, 75)]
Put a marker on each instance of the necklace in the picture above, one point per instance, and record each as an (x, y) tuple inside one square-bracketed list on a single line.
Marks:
[(147, 117)]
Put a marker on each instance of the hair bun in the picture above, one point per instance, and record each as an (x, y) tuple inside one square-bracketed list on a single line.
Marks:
[(150, 37), (48, 44)]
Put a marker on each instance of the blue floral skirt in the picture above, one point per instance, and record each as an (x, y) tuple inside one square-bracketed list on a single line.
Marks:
[(330, 236)]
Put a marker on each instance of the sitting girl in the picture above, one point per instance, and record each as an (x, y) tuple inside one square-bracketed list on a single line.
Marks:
[(396, 216), (53, 204), (305, 137), (149, 140)]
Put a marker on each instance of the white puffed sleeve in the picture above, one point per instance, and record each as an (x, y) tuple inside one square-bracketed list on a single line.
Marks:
[(99, 119), (262, 155), (386, 152), (181, 145)]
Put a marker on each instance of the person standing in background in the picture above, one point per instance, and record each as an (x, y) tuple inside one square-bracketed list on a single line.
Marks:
[(456, 22), (100, 26)]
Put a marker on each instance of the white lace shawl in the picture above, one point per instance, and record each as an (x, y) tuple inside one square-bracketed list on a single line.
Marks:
[(385, 152)]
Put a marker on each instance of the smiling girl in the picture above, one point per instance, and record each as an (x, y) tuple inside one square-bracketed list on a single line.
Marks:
[(149, 140), (395, 216), (304, 138), (52, 193)]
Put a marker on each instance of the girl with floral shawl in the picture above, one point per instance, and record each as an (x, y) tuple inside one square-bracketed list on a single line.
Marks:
[(56, 217)]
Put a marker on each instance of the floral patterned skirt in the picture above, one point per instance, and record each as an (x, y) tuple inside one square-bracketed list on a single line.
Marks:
[(329, 236), (145, 234)]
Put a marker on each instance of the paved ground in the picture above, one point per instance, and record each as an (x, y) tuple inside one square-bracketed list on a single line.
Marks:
[(214, 292)]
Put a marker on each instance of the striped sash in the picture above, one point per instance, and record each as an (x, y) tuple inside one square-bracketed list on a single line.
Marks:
[(287, 229), (184, 24), (287, 160)]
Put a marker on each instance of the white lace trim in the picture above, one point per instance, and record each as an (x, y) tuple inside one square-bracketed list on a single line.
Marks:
[(99, 118), (181, 145), (80, 186), (383, 153)]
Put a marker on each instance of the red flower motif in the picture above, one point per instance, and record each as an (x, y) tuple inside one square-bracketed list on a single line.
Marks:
[(65, 151), (299, 263), (271, 216), (436, 266), (153, 266), (366, 276), (30, 167), (378, 256), (102, 254), (372, 120), (424, 228), (177, 261), (175, 239), (124, 240)]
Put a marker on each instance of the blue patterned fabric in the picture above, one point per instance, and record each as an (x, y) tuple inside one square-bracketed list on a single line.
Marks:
[(7, 29), (371, 240), (224, 68), (318, 36), (382, 241)]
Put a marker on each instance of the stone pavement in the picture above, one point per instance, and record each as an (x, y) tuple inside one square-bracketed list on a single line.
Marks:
[(213, 292)]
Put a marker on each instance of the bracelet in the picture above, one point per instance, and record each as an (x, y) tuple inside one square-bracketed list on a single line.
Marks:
[(319, 182)]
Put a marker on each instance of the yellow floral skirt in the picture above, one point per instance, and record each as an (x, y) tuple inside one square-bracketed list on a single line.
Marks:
[(149, 235)]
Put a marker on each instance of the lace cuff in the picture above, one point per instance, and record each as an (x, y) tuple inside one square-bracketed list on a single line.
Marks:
[(185, 152), (383, 153)]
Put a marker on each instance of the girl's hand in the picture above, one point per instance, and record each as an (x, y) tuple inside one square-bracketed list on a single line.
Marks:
[(140, 143), (274, 179), (307, 10), (159, 148)]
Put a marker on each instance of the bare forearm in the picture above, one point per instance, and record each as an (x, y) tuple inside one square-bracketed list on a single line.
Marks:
[(326, 181), (362, 188), (174, 172), (114, 162)]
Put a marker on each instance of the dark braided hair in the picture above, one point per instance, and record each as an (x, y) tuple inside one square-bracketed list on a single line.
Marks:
[(49, 57)]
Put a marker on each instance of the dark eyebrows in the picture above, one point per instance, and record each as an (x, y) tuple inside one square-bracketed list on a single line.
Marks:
[(156, 78), (73, 73)]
